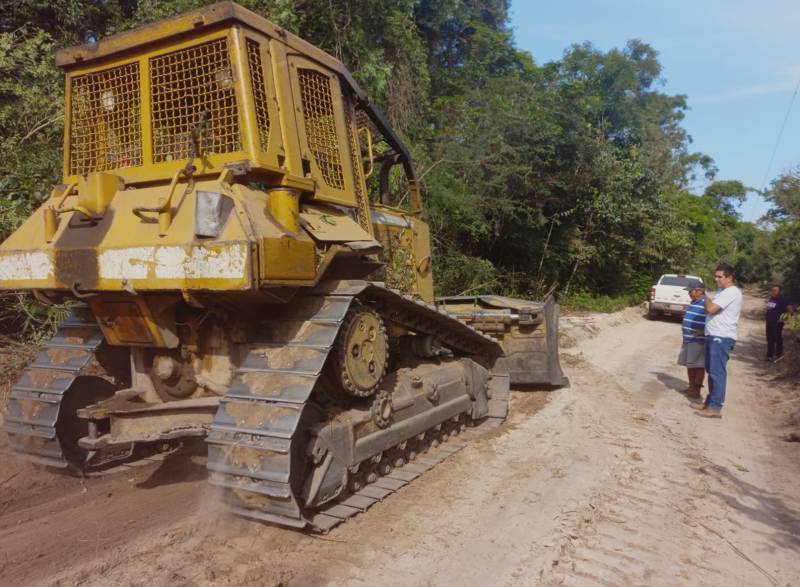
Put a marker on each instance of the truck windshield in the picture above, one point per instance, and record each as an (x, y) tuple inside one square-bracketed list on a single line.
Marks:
[(676, 280)]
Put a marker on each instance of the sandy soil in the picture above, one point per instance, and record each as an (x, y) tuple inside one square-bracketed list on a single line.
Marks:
[(613, 481)]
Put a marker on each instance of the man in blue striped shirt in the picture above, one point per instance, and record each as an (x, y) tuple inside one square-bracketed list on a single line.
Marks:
[(693, 350)]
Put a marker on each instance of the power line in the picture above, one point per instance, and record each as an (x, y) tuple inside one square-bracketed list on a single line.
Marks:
[(780, 136)]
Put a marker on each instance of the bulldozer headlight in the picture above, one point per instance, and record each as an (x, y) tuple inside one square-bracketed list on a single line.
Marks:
[(224, 78), (109, 100)]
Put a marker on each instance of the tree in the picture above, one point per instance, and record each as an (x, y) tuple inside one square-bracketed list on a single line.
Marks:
[(782, 247)]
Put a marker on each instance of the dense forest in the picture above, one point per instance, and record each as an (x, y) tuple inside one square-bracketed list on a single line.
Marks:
[(573, 176)]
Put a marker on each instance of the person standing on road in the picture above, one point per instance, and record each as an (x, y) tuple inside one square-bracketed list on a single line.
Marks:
[(722, 317), (776, 307), (693, 349)]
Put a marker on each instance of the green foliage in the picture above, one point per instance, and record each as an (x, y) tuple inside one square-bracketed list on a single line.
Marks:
[(585, 302), (723, 196), (23, 319), (31, 117), (638, 286), (462, 275), (24, 327), (778, 251)]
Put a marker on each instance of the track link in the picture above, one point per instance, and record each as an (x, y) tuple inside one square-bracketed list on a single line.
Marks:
[(35, 401), (256, 440), (407, 463), (250, 441)]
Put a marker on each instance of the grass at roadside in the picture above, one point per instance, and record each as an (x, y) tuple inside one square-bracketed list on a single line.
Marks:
[(584, 302)]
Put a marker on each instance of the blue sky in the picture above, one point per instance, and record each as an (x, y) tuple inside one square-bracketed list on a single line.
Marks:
[(737, 61)]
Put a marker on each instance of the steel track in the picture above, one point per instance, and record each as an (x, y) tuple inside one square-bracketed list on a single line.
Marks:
[(256, 442), (36, 398)]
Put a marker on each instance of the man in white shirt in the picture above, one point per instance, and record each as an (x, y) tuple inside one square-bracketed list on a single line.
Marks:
[(722, 317)]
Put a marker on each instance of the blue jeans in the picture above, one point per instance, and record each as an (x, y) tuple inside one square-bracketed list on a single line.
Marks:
[(718, 350)]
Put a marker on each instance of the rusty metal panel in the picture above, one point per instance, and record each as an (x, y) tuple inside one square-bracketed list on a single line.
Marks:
[(283, 387), (67, 359), (256, 417), (228, 435), (45, 382), (249, 462), (316, 308), (278, 490), (250, 502), (301, 332), (284, 358), (31, 413), (80, 335)]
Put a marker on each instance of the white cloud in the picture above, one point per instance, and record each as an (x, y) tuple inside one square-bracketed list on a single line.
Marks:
[(750, 91), (770, 21)]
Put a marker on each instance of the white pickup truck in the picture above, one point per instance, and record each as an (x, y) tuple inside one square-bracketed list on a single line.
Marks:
[(669, 296)]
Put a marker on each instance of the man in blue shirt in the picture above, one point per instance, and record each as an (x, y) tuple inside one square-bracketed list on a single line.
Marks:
[(693, 350)]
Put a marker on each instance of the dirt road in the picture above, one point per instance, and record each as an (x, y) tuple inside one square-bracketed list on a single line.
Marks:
[(613, 481)]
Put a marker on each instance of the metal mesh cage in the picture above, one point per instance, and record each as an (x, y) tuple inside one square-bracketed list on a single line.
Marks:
[(320, 124), (358, 167), (184, 84), (105, 129), (259, 92)]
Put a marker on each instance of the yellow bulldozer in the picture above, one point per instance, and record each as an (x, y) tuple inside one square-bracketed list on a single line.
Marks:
[(231, 278)]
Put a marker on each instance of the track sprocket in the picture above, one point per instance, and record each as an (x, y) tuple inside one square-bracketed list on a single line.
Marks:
[(361, 352)]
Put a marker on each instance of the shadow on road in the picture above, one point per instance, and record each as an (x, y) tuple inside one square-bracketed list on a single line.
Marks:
[(675, 319), (758, 504), (184, 465), (671, 381)]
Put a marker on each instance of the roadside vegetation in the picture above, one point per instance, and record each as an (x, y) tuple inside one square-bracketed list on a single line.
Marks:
[(572, 177)]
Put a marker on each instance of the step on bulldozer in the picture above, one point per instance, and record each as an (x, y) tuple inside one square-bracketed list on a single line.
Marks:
[(232, 279)]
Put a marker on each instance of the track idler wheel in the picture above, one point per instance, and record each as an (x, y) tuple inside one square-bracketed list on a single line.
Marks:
[(361, 353), (382, 410)]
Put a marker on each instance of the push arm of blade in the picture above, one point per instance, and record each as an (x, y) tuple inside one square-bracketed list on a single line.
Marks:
[(166, 203), (66, 194), (78, 209)]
